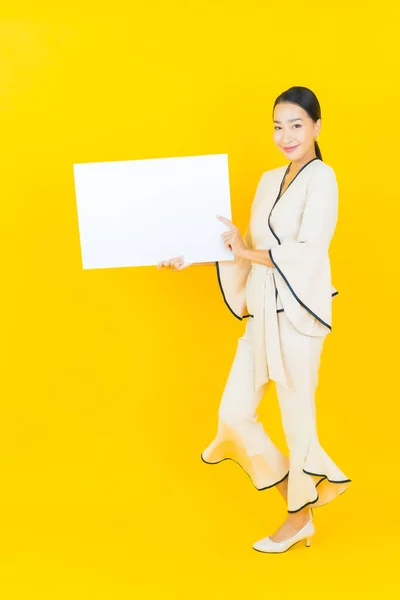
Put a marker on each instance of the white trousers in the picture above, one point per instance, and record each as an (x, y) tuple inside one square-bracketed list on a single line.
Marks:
[(313, 478)]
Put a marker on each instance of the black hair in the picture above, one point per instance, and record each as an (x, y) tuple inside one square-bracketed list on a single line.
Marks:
[(305, 98)]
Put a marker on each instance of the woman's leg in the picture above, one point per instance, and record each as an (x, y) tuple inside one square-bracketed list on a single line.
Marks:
[(309, 464), (240, 436), (293, 522)]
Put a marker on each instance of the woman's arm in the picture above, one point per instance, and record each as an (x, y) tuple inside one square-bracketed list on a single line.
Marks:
[(258, 256), (317, 225)]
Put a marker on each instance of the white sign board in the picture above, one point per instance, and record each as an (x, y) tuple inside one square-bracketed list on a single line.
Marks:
[(140, 212)]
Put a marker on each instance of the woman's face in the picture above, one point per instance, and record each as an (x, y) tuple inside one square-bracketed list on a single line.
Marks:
[(293, 127)]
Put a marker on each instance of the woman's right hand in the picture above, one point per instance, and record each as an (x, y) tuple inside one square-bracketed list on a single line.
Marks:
[(174, 264)]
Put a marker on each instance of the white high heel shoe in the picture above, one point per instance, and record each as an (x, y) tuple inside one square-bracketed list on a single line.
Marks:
[(268, 545)]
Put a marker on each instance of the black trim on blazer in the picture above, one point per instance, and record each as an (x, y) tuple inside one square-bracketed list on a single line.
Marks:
[(278, 310), (296, 296), (234, 314), (280, 188), (223, 295), (279, 195), (279, 242)]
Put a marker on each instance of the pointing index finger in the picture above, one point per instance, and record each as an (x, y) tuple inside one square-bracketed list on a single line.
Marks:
[(227, 221)]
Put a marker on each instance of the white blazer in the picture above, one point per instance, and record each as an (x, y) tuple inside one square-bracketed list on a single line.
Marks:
[(296, 227)]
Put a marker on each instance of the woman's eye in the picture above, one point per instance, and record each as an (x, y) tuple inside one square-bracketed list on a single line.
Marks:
[(295, 125)]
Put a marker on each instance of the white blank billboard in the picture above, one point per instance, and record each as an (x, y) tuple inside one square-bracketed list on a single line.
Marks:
[(139, 212)]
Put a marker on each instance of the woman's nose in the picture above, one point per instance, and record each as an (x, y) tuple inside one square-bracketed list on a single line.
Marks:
[(286, 140)]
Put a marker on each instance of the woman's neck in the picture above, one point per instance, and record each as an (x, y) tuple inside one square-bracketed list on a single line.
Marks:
[(296, 165)]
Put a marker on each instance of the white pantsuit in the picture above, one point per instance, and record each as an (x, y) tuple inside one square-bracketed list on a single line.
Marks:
[(288, 311)]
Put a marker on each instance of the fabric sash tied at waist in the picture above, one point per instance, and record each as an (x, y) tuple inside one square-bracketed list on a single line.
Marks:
[(261, 294)]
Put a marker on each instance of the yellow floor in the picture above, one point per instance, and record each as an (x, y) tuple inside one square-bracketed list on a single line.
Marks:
[(182, 540)]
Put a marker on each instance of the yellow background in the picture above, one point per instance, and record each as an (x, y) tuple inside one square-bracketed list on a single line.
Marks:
[(111, 379)]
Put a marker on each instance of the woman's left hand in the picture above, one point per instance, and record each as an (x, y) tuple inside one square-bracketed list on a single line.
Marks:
[(232, 238)]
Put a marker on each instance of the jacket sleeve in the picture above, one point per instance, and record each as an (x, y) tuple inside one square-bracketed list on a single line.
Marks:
[(304, 263), (233, 274), (232, 278)]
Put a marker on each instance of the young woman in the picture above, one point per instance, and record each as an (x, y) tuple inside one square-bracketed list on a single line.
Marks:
[(280, 281)]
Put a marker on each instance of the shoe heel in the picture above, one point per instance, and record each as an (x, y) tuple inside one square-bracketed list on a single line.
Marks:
[(308, 542)]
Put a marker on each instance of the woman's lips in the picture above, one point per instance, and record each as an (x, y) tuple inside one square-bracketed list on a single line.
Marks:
[(290, 148)]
